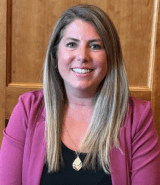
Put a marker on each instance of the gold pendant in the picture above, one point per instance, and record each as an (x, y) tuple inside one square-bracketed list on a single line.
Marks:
[(77, 164)]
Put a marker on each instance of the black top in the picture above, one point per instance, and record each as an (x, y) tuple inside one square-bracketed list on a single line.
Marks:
[(68, 176)]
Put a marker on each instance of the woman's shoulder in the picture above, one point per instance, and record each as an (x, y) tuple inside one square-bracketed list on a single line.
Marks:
[(36, 95), (139, 108), (140, 114), (139, 104), (32, 102), (26, 112)]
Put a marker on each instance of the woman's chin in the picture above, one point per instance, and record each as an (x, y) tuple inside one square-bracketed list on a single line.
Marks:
[(85, 89)]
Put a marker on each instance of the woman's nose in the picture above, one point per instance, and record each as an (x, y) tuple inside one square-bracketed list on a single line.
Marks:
[(83, 54)]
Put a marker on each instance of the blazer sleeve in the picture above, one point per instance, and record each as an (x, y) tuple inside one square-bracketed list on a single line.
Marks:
[(145, 150), (11, 154)]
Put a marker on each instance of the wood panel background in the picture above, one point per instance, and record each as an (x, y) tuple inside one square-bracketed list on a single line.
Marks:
[(155, 98), (3, 10), (26, 29)]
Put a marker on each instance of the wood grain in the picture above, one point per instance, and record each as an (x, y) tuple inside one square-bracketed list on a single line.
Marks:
[(3, 7), (155, 99)]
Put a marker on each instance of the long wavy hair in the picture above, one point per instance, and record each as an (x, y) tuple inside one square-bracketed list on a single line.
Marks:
[(111, 101)]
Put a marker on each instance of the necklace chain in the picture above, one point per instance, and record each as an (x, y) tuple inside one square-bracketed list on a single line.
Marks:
[(77, 163), (72, 140)]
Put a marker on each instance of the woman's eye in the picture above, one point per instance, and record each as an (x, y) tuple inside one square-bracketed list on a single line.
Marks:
[(96, 46), (71, 45)]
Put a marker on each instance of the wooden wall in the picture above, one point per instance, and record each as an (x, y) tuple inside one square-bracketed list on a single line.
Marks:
[(3, 11)]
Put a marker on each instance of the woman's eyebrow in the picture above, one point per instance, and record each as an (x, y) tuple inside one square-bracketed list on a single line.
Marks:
[(96, 40), (90, 41), (70, 38)]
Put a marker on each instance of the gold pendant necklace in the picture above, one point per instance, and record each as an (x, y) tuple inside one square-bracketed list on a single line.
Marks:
[(77, 163)]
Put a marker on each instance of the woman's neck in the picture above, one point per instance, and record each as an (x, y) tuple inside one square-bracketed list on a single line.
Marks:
[(80, 98)]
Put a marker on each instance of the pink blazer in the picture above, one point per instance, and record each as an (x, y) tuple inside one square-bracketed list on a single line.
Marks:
[(23, 148)]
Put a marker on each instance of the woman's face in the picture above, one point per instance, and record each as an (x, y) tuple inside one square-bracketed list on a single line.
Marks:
[(82, 60)]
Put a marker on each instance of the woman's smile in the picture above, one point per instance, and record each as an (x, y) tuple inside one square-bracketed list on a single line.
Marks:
[(81, 71)]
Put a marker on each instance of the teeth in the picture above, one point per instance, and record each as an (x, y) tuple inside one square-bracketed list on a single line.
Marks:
[(81, 70)]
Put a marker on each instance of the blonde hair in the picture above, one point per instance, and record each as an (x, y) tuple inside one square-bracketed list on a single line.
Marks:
[(110, 101)]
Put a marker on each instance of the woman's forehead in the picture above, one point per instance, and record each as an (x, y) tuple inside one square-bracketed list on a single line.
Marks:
[(81, 29)]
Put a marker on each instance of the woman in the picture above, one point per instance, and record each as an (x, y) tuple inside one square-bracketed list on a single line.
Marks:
[(84, 127)]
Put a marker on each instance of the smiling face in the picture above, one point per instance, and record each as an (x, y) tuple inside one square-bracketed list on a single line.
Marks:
[(82, 60)]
